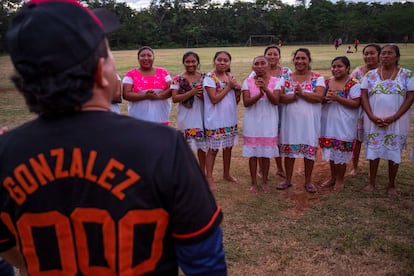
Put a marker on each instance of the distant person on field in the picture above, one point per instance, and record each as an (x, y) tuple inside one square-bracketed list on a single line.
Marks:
[(261, 118), (187, 91), (356, 43), (280, 43), (387, 95), (339, 120), (76, 199), (370, 55), (147, 89), (348, 50), (302, 94), (336, 43), (405, 40)]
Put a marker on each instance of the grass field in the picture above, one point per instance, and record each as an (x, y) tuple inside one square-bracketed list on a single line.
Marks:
[(291, 232)]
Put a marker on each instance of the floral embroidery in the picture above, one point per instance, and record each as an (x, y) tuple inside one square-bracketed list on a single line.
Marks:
[(297, 149), (185, 86), (390, 140), (222, 132), (309, 86), (194, 133), (335, 144), (344, 93), (216, 80)]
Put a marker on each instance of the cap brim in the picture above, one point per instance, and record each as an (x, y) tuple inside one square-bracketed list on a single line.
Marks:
[(109, 20)]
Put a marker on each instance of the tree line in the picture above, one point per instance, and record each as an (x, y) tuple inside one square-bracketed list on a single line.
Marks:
[(202, 23)]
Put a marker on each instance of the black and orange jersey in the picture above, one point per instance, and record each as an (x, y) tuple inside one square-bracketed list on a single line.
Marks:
[(96, 193)]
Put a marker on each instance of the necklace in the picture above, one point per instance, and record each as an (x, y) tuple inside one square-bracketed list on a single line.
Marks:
[(392, 75)]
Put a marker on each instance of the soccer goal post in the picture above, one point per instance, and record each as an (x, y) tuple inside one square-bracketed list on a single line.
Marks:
[(259, 40)]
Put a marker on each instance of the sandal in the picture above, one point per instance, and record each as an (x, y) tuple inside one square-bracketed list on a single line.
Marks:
[(283, 186), (310, 188)]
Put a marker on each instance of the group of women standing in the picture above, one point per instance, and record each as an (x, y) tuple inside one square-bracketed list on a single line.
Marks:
[(288, 114)]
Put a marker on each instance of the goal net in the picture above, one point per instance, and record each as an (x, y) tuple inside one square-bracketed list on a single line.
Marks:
[(260, 40)]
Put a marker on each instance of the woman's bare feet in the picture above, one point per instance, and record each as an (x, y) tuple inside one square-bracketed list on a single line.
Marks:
[(339, 186), (253, 189), (369, 188), (230, 178), (266, 189), (213, 186), (353, 172), (328, 183), (392, 192)]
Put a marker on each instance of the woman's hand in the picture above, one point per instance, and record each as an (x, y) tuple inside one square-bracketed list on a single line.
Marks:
[(151, 95), (331, 96), (197, 91)]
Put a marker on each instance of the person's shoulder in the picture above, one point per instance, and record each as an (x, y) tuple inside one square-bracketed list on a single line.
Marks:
[(406, 72), (161, 70), (316, 75)]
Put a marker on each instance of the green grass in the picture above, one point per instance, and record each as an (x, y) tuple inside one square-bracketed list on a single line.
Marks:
[(291, 232)]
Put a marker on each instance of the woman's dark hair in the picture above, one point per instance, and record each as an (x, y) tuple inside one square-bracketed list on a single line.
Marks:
[(272, 46), (376, 46), (191, 53), (222, 52), (344, 60), (65, 92), (145, 48), (307, 53), (304, 50), (395, 48)]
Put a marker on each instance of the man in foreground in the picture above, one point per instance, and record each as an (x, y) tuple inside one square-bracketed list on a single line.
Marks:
[(85, 191)]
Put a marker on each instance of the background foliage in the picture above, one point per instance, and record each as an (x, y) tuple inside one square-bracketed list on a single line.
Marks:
[(202, 23)]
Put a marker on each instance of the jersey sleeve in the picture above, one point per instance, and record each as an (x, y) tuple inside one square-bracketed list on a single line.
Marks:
[(195, 214)]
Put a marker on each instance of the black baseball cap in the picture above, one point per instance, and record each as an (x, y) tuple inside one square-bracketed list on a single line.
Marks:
[(51, 36)]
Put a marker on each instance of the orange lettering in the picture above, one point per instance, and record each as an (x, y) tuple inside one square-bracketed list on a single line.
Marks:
[(92, 215), (126, 235), (60, 157), (41, 169), (89, 167), (15, 191), (21, 173), (64, 236), (107, 173), (133, 178), (76, 167)]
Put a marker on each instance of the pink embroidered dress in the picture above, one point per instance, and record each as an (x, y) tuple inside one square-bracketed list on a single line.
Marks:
[(220, 120), (339, 125), (300, 121), (385, 98), (190, 114), (149, 110), (260, 123)]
